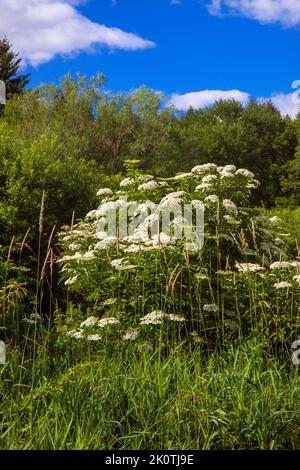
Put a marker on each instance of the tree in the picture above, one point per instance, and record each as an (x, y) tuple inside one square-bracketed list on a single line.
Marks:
[(9, 70)]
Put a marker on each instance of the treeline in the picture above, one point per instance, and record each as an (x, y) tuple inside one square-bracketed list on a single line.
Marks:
[(90, 124)]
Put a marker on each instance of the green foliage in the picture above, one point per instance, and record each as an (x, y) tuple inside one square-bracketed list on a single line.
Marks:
[(9, 70)]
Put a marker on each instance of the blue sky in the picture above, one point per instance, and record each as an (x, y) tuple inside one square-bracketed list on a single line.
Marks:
[(192, 50)]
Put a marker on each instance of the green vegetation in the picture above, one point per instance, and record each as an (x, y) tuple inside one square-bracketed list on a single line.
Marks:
[(138, 344)]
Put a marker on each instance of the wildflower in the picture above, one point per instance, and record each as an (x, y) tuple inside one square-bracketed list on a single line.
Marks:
[(89, 255), (153, 318), (246, 173), (132, 249), (126, 182), (174, 317), (74, 246), (281, 265), (230, 206), (77, 334), (213, 198), (198, 204), (282, 285), (106, 242), (228, 169), (149, 186), (131, 335), (210, 308), (71, 280), (209, 178), (297, 278), (104, 192), (275, 220), (248, 267), (94, 337), (90, 321), (117, 262), (107, 321), (199, 169)]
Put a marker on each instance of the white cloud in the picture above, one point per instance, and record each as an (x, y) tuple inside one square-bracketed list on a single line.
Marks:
[(175, 2), (202, 99), (41, 29), (288, 105), (286, 12)]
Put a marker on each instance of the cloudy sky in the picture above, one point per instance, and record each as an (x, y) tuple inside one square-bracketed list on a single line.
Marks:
[(195, 51)]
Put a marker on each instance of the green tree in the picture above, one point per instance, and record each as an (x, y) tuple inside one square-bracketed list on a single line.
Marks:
[(9, 70)]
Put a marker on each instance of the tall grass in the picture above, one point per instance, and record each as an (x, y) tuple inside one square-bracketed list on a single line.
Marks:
[(131, 398)]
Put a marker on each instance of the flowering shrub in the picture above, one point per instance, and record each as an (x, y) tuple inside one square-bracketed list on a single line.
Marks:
[(237, 280)]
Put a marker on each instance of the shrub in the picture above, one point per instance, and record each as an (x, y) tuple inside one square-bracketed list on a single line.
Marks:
[(228, 287)]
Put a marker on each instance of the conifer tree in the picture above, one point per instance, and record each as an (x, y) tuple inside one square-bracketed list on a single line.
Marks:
[(9, 69)]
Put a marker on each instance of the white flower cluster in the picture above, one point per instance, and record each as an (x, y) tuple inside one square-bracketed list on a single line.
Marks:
[(157, 316)]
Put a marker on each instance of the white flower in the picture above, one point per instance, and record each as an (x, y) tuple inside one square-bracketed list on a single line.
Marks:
[(132, 249), (101, 235), (174, 317), (77, 334), (106, 242), (126, 182), (90, 321), (107, 321), (248, 267), (210, 308), (209, 178), (297, 278), (281, 265), (71, 280), (230, 206), (105, 208), (228, 169), (282, 285), (95, 337), (117, 262), (246, 173), (89, 255), (161, 239), (213, 198), (199, 169), (153, 318), (275, 220), (149, 186), (131, 335), (104, 192), (74, 246)]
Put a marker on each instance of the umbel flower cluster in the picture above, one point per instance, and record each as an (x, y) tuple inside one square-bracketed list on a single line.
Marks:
[(144, 271)]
